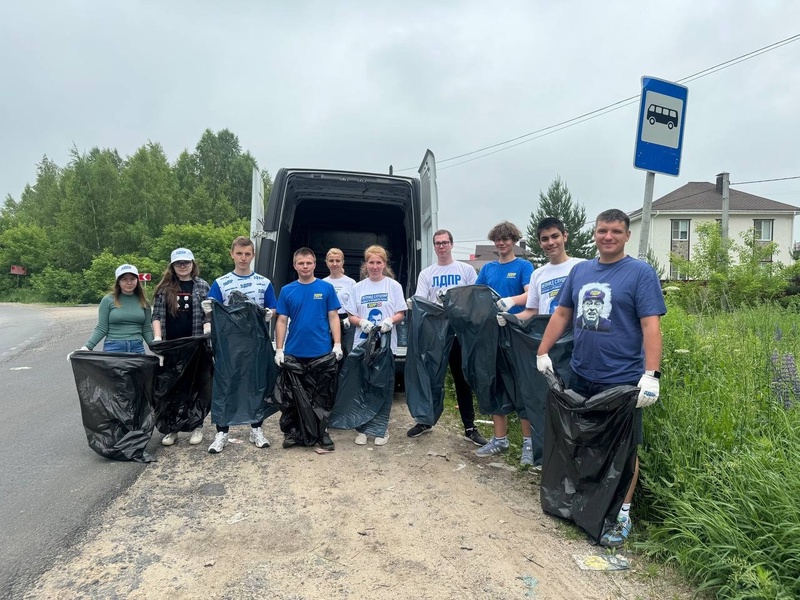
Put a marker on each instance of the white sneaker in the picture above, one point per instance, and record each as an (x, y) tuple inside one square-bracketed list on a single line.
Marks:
[(197, 436), (220, 441), (257, 437), (381, 441), (361, 439), (169, 439)]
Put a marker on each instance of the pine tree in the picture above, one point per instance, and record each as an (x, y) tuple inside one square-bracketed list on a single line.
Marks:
[(558, 202)]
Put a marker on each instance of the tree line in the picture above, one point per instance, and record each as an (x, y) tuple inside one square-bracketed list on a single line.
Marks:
[(76, 223)]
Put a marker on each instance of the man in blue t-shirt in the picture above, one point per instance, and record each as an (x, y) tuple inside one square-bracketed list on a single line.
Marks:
[(510, 277), (614, 303), (313, 308)]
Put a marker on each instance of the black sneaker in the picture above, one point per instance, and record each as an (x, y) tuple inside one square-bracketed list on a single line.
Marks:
[(418, 429), (474, 436), (289, 441), (326, 442)]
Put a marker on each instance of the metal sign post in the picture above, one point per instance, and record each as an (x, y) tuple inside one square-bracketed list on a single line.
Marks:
[(659, 140), (19, 271)]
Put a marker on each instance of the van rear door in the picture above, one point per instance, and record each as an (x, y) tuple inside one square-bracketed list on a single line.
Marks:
[(429, 208)]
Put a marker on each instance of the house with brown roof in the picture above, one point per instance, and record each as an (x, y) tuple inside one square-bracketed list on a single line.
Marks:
[(674, 220), (486, 253)]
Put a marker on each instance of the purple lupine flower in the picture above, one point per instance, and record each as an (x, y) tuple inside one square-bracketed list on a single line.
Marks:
[(778, 332)]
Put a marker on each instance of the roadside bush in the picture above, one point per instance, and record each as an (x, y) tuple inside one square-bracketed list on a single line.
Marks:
[(99, 278), (59, 285), (721, 467)]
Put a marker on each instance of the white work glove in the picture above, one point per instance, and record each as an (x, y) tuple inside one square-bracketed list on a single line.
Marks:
[(160, 359), (345, 324), (206, 306), (648, 391), (501, 320), (366, 326), (409, 303), (279, 357), (206, 328), (440, 294), (156, 339), (505, 304), (74, 351), (544, 364), (337, 351), (387, 324), (268, 314)]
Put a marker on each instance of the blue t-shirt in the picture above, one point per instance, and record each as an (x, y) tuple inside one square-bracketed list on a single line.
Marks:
[(507, 279), (307, 305), (256, 287), (607, 302)]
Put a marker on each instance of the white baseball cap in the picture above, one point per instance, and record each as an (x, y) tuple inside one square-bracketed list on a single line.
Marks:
[(123, 269), (181, 254)]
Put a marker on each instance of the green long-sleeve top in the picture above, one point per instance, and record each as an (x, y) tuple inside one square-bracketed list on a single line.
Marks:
[(129, 321)]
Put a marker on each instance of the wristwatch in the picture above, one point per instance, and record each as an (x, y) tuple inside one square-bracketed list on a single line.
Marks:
[(656, 374)]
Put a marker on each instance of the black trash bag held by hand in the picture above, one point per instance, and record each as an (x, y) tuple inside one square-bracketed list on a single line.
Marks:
[(519, 344), (305, 392), (244, 363), (182, 397), (366, 387), (472, 313), (589, 456), (115, 392), (430, 339)]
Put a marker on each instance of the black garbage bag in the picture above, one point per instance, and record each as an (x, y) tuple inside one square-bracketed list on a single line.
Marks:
[(472, 313), (430, 338), (366, 387), (115, 390), (305, 392), (244, 363), (589, 456), (182, 396), (519, 344)]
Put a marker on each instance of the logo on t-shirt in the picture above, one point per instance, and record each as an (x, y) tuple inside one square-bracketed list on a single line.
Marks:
[(446, 280), (511, 276), (594, 308), (318, 296)]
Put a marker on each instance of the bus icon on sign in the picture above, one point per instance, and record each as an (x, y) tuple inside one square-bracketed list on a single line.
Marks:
[(661, 114)]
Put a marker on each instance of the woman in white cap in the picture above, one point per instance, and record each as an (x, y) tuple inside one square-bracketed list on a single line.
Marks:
[(177, 312), (124, 316)]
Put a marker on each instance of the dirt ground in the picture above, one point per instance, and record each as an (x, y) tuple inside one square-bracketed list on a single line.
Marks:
[(420, 518)]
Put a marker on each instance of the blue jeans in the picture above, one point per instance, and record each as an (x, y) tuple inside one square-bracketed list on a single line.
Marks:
[(136, 346)]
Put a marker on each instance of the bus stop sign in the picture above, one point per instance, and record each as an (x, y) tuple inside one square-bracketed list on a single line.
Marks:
[(659, 135)]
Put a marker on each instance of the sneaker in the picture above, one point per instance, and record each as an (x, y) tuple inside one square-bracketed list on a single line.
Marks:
[(537, 468), (197, 436), (381, 441), (289, 441), (474, 436), (616, 537), (169, 439), (418, 429), (492, 447), (361, 439), (326, 442), (527, 455), (220, 441), (258, 438)]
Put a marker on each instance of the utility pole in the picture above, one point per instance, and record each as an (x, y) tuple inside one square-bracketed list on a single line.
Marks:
[(644, 234), (723, 186)]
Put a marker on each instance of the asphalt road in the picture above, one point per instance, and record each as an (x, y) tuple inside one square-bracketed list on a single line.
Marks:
[(52, 485)]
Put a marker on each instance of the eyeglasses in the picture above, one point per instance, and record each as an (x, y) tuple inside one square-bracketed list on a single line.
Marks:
[(182, 263), (441, 244)]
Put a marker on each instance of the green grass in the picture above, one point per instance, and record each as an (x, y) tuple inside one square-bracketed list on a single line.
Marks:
[(720, 487)]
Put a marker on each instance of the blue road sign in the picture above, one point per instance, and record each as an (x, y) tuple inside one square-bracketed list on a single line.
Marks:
[(659, 135)]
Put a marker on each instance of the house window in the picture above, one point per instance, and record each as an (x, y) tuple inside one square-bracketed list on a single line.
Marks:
[(763, 229), (680, 230)]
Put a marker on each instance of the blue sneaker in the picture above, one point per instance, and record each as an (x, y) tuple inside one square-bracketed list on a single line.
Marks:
[(493, 446), (616, 536), (527, 455)]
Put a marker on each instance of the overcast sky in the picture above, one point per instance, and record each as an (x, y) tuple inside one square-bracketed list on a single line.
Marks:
[(362, 85)]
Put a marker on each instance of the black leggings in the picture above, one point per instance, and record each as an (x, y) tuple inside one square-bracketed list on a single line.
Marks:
[(463, 391)]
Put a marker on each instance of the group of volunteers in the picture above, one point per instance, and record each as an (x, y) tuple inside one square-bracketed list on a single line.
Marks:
[(613, 303)]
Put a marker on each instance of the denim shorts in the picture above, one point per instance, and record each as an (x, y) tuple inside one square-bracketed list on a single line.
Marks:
[(136, 346)]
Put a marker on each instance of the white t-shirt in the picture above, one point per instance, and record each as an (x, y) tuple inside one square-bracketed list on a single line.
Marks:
[(546, 281), (375, 301), (344, 288), (442, 277)]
